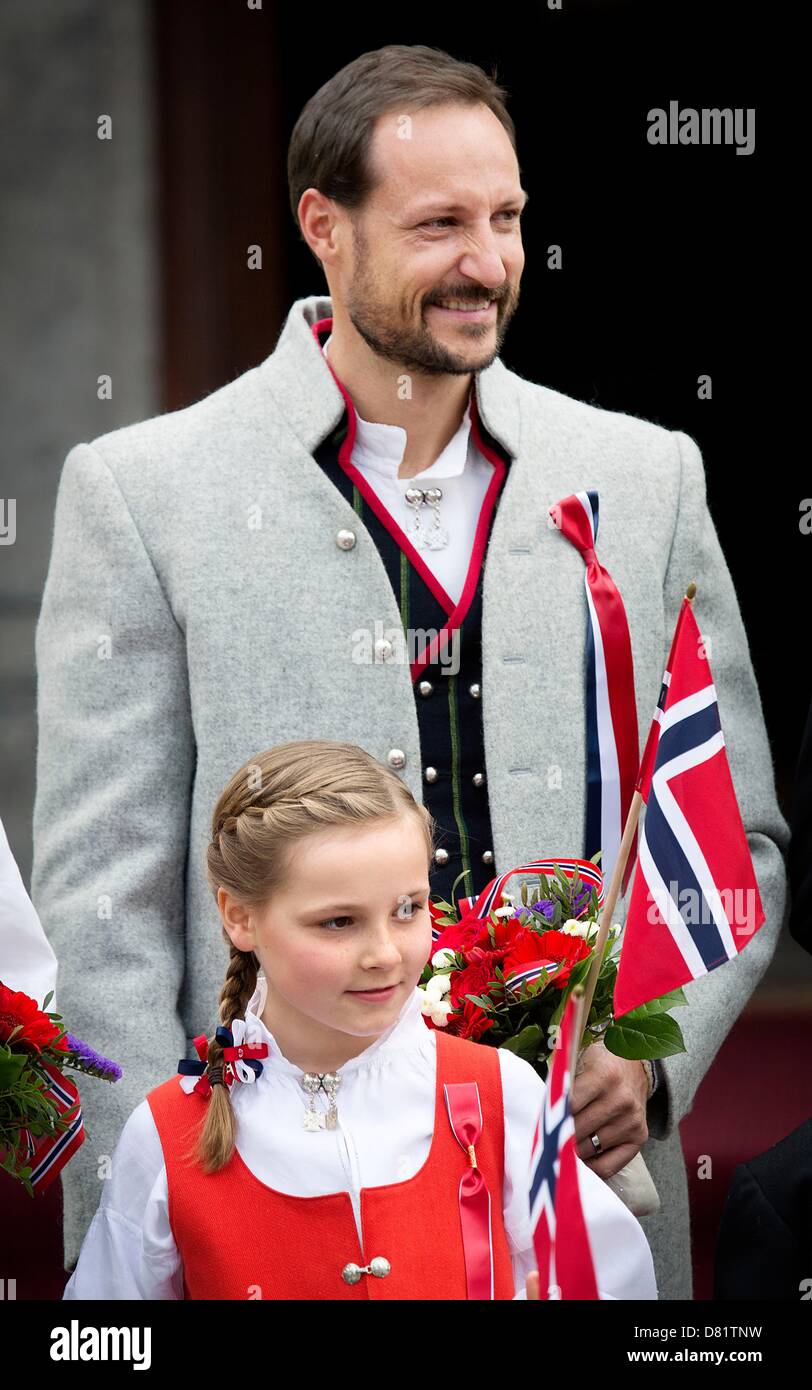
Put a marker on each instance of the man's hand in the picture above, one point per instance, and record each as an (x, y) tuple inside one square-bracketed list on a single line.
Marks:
[(609, 1099)]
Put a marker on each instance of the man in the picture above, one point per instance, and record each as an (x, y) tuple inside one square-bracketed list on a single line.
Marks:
[(215, 572)]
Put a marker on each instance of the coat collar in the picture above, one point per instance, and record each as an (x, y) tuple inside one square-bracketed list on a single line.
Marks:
[(308, 398)]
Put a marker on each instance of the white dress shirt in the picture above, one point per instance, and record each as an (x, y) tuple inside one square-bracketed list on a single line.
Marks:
[(386, 1103), (462, 472)]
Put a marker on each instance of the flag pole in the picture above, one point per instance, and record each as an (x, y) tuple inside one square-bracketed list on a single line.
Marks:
[(614, 885), (575, 1044)]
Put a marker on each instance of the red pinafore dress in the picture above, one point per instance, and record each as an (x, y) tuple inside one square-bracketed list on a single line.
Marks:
[(436, 1235)]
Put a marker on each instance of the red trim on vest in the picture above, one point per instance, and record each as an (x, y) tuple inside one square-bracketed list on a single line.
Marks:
[(238, 1238), (456, 612)]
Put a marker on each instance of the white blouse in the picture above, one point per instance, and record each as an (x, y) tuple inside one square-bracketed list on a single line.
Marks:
[(386, 1101), (461, 471)]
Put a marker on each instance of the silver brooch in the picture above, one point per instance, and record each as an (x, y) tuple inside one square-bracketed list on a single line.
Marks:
[(313, 1082)]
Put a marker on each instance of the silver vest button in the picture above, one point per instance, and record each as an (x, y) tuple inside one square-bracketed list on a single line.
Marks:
[(478, 779), (345, 539), (487, 857), (383, 649), (396, 757), (475, 690), (430, 774), (441, 856), (425, 688), (379, 1267)]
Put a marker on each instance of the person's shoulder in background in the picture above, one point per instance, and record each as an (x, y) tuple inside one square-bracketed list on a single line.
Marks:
[(764, 1245)]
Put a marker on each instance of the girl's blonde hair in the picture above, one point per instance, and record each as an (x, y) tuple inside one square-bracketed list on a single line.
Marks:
[(268, 806)]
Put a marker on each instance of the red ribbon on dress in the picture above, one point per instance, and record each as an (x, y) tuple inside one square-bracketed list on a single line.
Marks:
[(465, 1114)]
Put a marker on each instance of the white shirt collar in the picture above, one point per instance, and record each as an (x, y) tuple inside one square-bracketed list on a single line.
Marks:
[(408, 1029), (381, 448)]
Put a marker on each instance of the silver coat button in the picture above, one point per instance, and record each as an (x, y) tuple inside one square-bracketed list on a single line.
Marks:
[(475, 690), (425, 688), (345, 539), (396, 757), (478, 779), (430, 774), (379, 1267), (383, 649), (487, 857), (441, 856)]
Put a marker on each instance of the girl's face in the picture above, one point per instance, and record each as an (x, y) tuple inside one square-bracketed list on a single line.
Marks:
[(352, 917)]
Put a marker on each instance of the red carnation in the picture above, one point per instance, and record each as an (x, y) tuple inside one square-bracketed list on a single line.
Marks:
[(474, 979), (37, 1030), (459, 936), (471, 1023), (554, 946)]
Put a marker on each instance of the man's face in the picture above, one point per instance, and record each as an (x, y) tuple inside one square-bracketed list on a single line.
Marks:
[(442, 225)]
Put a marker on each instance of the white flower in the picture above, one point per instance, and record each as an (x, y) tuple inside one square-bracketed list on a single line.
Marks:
[(442, 957), (438, 985), (574, 928), (504, 911), (614, 931), (437, 1009)]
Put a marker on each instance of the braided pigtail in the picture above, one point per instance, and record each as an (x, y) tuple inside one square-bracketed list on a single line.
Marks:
[(215, 1144)]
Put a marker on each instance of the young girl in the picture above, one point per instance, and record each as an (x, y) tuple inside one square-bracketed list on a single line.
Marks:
[(323, 1152)]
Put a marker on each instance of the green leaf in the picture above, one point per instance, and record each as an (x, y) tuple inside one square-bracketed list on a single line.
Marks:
[(526, 1043), (674, 998), (647, 1036), (465, 873), (481, 1002), (11, 1069)]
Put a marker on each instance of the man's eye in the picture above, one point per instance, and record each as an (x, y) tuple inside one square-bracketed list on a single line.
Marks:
[(513, 213)]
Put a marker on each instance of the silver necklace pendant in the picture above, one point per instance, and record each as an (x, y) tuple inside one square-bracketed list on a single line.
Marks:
[(414, 499), (436, 538), (312, 1082)]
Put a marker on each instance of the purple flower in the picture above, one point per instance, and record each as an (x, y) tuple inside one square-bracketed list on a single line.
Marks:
[(581, 901), (87, 1060), (545, 906)]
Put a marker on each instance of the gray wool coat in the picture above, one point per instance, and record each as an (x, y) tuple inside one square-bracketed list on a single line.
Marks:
[(198, 609)]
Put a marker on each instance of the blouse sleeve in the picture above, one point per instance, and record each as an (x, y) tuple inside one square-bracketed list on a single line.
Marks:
[(622, 1256), (129, 1251)]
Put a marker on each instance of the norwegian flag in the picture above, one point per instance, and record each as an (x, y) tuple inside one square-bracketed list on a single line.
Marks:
[(695, 901), (560, 1237), (566, 1268), (48, 1154)]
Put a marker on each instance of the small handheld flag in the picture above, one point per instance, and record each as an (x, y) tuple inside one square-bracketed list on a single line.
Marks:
[(47, 1155), (560, 1238), (695, 901)]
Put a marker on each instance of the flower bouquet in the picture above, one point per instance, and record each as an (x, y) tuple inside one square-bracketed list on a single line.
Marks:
[(501, 973), (40, 1117)]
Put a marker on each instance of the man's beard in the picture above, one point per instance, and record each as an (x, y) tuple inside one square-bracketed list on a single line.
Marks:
[(417, 348)]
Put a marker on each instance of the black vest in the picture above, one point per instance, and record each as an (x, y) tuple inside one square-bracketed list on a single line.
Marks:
[(449, 706)]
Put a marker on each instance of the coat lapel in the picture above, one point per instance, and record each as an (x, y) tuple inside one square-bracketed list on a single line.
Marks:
[(533, 619)]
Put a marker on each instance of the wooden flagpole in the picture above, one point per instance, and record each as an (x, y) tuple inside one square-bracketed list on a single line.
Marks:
[(614, 887)]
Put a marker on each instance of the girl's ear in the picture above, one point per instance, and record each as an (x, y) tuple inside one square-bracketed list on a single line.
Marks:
[(236, 919)]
